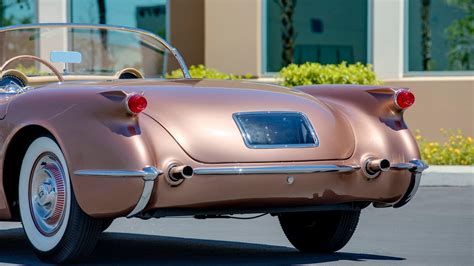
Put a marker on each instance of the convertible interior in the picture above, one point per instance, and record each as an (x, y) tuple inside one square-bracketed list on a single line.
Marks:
[(15, 81)]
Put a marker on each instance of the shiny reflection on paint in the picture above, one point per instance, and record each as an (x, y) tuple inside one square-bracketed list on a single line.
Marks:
[(141, 147), (220, 133), (411, 147)]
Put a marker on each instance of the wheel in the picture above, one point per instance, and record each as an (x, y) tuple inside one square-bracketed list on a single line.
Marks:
[(106, 223), (56, 227), (319, 232)]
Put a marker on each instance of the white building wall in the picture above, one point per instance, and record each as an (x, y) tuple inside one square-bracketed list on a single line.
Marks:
[(233, 36), (53, 11), (388, 38), (50, 11)]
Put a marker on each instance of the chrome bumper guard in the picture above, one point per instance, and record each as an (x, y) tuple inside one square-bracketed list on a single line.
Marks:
[(416, 167), (149, 175)]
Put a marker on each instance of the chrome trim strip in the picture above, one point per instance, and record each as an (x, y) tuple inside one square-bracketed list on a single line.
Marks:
[(148, 173), (420, 165), (246, 137), (402, 166), (172, 50), (3, 92), (291, 169), (417, 166)]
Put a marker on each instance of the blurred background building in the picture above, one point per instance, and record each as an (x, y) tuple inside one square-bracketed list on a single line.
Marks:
[(427, 45)]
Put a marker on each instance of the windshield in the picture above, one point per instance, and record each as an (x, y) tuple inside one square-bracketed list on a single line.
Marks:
[(94, 50)]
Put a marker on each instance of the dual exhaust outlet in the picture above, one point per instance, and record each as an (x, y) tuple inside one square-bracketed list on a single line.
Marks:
[(373, 167), (177, 174)]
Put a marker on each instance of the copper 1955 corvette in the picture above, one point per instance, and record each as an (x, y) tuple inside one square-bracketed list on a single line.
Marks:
[(91, 130)]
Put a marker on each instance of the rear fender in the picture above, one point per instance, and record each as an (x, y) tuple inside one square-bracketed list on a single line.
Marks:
[(379, 128), (372, 100), (94, 132)]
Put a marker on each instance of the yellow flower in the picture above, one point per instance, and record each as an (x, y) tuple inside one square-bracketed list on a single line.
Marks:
[(455, 149)]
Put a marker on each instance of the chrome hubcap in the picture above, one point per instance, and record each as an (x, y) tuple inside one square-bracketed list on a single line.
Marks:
[(47, 194)]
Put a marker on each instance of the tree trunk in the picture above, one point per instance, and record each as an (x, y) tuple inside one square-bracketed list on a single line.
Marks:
[(103, 33), (426, 34), (2, 13), (102, 10), (288, 34)]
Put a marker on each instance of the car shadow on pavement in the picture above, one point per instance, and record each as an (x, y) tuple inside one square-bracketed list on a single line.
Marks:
[(124, 248)]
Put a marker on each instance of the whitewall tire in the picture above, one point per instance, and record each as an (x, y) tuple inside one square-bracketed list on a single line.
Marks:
[(56, 227)]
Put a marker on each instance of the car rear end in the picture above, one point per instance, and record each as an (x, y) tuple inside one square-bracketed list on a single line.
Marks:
[(327, 148)]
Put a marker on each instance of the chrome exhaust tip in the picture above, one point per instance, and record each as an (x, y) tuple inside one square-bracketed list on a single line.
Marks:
[(178, 173), (379, 165), (373, 167)]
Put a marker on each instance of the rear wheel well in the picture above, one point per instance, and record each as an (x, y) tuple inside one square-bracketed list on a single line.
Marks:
[(12, 164)]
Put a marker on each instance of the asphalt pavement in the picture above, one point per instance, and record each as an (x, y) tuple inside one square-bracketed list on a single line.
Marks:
[(436, 228)]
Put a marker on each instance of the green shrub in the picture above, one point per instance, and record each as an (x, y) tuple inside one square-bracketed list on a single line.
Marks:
[(315, 73), (200, 72), (457, 149), (31, 71)]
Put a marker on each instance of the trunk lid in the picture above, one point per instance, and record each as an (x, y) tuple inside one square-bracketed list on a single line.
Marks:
[(200, 115)]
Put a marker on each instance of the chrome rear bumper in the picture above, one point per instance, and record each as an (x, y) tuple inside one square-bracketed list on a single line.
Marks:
[(149, 175), (414, 166), (290, 169)]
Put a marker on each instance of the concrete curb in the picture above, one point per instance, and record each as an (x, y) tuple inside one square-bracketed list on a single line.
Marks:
[(443, 175)]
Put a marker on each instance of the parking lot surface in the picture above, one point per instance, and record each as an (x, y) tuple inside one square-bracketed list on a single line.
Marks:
[(436, 228)]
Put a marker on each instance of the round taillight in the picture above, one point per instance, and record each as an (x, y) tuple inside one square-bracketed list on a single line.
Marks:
[(404, 99), (136, 104)]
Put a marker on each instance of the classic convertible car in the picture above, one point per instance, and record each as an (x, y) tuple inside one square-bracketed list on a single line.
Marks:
[(91, 130)]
